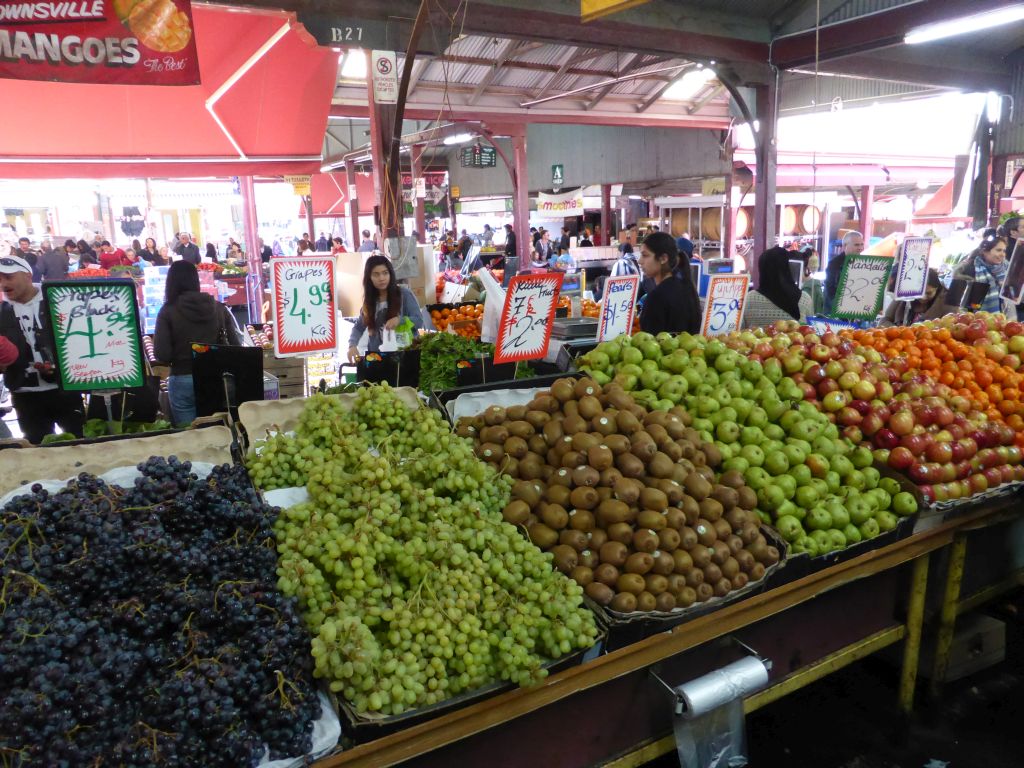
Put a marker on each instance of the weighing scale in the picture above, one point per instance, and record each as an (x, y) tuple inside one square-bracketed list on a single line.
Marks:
[(714, 267)]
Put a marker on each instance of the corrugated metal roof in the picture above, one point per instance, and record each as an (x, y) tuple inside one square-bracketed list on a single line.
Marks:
[(851, 9), (800, 92), (1010, 131)]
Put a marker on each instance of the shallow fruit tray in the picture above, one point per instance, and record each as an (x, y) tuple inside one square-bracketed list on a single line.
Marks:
[(954, 508), (628, 628), (477, 398), (359, 729)]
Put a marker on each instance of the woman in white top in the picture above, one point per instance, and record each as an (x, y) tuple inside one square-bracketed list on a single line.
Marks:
[(777, 297)]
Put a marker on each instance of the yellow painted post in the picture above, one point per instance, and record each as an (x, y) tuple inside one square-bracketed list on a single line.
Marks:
[(947, 620), (912, 646)]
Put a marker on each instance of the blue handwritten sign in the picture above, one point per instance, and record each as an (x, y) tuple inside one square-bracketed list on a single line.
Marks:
[(618, 306)]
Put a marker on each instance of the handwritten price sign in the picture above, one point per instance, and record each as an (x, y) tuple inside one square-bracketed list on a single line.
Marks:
[(862, 287), (304, 306), (723, 308), (525, 328), (96, 334), (618, 306), (912, 276)]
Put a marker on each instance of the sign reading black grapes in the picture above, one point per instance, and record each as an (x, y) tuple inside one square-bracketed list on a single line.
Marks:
[(304, 306), (96, 333)]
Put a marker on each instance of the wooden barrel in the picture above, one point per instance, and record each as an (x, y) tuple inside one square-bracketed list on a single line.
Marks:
[(744, 222), (790, 218), (711, 224), (808, 219), (680, 222)]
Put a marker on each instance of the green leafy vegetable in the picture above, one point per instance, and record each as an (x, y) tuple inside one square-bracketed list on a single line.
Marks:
[(440, 354)]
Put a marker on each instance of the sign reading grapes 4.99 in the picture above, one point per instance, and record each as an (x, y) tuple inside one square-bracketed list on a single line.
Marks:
[(96, 334), (723, 308), (304, 306)]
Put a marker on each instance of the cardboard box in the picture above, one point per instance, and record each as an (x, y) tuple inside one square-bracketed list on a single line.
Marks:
[(979, 642)]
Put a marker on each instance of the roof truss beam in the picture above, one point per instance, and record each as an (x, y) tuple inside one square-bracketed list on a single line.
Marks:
[(509, 51), (635, 63), (659, 91)]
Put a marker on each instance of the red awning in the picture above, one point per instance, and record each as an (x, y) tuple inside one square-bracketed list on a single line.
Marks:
[(330, 194), (274, 86), (940, 204)]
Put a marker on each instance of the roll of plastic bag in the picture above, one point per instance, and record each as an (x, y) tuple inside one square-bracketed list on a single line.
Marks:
[(709, 724), (492, 306)]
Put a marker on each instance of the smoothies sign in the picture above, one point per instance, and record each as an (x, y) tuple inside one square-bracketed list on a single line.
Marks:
[(723, 308), (124, 42), (304, 306), (618, 306), (525, 329), (96, 334)]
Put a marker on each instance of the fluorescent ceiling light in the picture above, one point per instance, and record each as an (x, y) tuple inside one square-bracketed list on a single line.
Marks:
[(635, 197), (354, 65), (689, 85), (458, 138), (964, 25)]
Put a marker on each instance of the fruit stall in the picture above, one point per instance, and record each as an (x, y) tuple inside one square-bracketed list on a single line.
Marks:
[(516, 574)]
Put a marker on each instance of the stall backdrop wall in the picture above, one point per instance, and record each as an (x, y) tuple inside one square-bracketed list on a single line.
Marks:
[(276, 111), (591, 154)]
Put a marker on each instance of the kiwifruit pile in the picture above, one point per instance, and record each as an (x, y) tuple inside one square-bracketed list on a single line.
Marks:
[(625, 500)]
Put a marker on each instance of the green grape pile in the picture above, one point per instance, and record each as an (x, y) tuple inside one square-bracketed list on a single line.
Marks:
[(413, 586)]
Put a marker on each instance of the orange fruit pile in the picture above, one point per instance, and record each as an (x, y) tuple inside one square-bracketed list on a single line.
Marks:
[(455, 317)]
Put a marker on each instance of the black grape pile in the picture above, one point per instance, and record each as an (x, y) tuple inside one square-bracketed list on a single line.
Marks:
[(143, 626)]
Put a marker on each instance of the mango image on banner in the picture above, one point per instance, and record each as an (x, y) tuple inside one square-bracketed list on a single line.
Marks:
[(159, 24)]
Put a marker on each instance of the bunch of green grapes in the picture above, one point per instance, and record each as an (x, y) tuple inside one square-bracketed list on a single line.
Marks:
[(413, 586)]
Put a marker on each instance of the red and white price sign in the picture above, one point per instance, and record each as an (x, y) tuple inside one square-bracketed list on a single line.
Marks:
[(618, 306), (723, 308), (304, 306), (525, 329)]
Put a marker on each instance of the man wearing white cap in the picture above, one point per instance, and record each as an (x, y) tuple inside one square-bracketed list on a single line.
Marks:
[(39, 403)]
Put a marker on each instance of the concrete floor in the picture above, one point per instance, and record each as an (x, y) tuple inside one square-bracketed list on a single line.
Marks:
[(850, 719)]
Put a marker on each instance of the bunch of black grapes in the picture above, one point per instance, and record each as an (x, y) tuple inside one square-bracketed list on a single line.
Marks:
[(143, 627)]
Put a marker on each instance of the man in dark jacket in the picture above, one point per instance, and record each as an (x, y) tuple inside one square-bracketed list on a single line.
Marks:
[(265, 252), (564, 241), (38, 401), (53, 262), (188, 250), (510, 241), (853, 244)]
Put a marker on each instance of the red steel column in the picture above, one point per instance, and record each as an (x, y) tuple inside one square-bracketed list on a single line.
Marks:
[(764, 182), (521, 199), (387, 181), (867, 195), (606, 214), (419, 208), (250, 226), (353, 205)]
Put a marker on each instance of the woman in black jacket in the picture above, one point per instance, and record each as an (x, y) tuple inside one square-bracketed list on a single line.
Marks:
[(672, 304), (188, 316)]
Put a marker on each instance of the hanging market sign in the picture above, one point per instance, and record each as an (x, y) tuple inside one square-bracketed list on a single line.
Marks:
[(384, 76), (565, 204), (390, 34), (124, 42), (525, 329), (300, 184), (912, 275), (618, 306), (724, 305), (478, 156), (862, 287), (96, 333), (304, 306)]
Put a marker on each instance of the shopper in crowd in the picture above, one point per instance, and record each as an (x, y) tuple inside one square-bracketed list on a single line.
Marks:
[(1012, 229), (32, 378), (672, 304), (685, 247), (235, 253), (597, 237), (266, 252), (166, 255), (812, 285), (338, 246), (303, 248), (53, 262), (150, 253), (385, 303), (24, 251), (543, 250), (188, 316), (585, 241), (323, 244), (187, 249), (510, 241), (563, 261), (777, 297), (86, 254), (211, 253), (987, 264), (367, 246), (627, 263), (929, 307), (136, 245), (487, 238), (565, 240), (853, 244), (111, 256), (465, 246)]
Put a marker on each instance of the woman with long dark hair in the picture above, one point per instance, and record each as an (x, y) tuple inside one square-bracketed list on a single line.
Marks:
[(671, 304), (385, 303), (211, 252), (86, 255), (777, 296), (188, 316), (988, 264), (151, 254)]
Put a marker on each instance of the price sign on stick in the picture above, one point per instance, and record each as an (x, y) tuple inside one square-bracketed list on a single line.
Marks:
[(96, 334), (912, 275), (723, 308), (525, 328), (862, 287), (618, 306), (304, 306)]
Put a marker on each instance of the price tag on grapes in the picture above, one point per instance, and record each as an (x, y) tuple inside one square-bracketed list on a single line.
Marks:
[(862, 287), (96, 334), (618, 306), (525, 328), (912, 275), (724, 305), (304, 306)]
